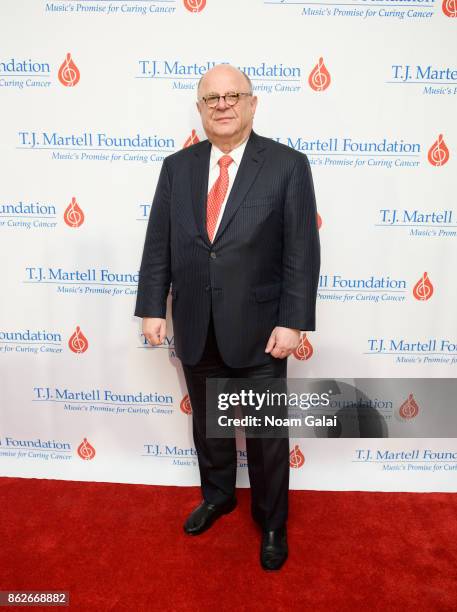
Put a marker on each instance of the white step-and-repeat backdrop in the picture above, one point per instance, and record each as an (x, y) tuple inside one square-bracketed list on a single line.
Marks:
[(94, 94)]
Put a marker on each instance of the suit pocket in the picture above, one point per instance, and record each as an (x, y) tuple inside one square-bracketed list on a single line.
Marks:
[(265, 293), (267, 201)]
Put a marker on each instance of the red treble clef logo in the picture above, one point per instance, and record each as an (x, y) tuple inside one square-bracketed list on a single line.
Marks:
[(195, 6), (296, 457), (423, 289), (86, 451), (78, 342), (450, 8), (438, 153), (69, 74), (304, 350), (185, 405), (73, 215), (319, 78), (409, 409), (191, 140)]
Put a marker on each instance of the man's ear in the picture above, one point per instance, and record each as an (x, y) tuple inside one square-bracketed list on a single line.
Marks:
[(254, 101)]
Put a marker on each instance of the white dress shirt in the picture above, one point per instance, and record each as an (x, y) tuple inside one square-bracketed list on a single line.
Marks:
[(214, 171)]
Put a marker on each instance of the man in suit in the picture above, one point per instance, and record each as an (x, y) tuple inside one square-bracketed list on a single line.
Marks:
[(233, 228)]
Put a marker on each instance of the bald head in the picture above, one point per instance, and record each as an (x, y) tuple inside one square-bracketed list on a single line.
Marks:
[(222, 69)]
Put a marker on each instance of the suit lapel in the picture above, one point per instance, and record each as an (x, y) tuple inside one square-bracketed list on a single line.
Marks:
[(200, 171), (251, 163)]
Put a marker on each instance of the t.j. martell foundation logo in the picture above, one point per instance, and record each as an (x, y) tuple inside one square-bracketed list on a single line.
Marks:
[(185, 405), (304, 350), (423, 289), (296, 457), (438, 154), (191, 140), (78, 342), (409, 409), (195, 6), (73, 215), (450, 8), (319, 78), (69, 74), (86, 451)]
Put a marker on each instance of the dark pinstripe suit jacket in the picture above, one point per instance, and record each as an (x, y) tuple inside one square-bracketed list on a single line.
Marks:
[(262, 268)]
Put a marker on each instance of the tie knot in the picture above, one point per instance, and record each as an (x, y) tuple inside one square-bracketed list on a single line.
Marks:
[(225, 161)]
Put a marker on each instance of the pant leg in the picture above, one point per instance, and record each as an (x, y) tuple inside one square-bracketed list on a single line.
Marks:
[(216, 457), (268, 462)]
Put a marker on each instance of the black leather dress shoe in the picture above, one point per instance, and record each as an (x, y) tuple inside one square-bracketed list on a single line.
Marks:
[(273, 552), (205, 515)]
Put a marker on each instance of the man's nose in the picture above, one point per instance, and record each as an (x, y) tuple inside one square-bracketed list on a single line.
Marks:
[(222, 104)]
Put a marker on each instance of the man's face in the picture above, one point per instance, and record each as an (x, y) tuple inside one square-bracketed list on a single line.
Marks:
[(226, 123)]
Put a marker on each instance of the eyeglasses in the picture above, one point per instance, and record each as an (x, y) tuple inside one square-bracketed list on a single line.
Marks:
[(230, 99)]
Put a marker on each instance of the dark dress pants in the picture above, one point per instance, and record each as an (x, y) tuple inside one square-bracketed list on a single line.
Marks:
[(268, 458)]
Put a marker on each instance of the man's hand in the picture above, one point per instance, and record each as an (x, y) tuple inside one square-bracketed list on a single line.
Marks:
[(282, 342), (154, 330)]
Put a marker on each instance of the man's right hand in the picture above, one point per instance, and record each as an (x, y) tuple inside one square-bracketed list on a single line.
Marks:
[(154, 330)]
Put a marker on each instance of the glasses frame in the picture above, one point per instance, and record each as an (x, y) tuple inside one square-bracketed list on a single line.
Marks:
[(231, 93)]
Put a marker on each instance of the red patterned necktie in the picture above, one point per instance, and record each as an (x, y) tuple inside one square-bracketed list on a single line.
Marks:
[(217, 195)]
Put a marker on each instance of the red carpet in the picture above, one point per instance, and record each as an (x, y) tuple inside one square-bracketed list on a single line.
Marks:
[(121, 547)]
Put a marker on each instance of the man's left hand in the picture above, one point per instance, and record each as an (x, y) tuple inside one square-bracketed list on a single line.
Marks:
[(282, 342)]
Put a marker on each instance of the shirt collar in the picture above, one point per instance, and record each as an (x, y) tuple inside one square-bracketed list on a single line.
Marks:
[(235, 154)]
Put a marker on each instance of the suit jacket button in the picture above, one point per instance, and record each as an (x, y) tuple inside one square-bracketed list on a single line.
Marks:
[(213, 255), (208, 288)]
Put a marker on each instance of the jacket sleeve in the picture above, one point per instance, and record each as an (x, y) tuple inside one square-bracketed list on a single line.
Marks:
[(301, 252), (154, 277)]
